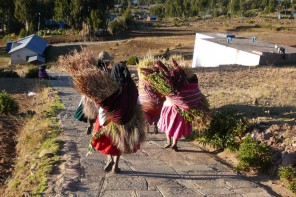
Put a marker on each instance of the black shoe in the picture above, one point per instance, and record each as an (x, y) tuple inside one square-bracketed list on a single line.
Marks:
[(108, 166)]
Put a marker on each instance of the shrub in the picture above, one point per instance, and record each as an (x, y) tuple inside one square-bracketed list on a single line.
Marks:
[(32, 73), (223, 131), (292, 186), (132, 60), (286, 173), (8, 74), (115, 27), (253, 155), (7, 104)]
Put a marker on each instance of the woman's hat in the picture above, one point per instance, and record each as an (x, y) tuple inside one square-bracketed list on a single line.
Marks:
[(105, 57)]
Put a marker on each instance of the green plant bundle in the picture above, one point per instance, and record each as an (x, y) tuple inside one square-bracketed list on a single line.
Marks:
[(7, 104), (159, 84), (253, 155)]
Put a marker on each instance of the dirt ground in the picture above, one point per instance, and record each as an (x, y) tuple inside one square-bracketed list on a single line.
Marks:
[(11, 125), (222, 90)]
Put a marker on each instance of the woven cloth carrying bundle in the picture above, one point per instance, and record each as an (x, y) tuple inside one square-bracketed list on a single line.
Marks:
[(188, 97), (151, 101)]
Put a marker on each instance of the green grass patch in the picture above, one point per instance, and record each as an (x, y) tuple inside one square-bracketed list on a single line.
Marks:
[(38, 149)]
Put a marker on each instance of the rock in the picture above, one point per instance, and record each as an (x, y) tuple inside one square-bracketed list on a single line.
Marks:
[(288, 159), (276, 158), (267, 135)]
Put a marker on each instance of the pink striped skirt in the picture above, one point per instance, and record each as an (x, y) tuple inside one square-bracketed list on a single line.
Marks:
[(172, 123)]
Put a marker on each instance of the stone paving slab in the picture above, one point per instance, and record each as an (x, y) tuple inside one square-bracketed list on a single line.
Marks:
[(151, 172)]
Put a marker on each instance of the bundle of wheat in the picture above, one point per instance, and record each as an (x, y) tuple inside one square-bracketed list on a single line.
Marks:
[(128, 137), (77, 61), (94, 84)]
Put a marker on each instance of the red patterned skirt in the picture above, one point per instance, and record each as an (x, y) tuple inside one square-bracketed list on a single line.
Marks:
[(103, 143)]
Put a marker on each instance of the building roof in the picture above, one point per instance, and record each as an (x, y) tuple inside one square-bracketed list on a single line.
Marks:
[(32, 42), (246, 44)]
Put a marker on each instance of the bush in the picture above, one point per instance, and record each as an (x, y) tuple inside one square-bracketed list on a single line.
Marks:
[(32, 73), (8, 74), (223, 131), (292, 186), (115, 27), (253, 155), (132, 60), (7, 104), (286, 173)]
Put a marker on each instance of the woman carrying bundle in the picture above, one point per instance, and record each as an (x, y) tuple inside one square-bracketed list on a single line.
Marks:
[(184, 106), (120, 120), (171, 122), (87, 110), (119, 125)]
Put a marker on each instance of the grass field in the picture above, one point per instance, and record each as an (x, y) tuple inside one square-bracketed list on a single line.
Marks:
[(4, 59)]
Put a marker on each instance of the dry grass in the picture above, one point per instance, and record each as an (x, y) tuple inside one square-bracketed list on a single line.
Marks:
[(238, 88), (4, 60), (87, 78), (77, 61), (39, 133), (94, 84)]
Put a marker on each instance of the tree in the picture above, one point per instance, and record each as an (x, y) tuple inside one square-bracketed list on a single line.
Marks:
[(76, 13), (62, 10), (234, 6), (270, 7), (241, 6), (99, 17), (6, 14), (25, 11)]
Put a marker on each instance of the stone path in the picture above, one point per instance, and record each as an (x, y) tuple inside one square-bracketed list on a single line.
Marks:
[(151, 172)]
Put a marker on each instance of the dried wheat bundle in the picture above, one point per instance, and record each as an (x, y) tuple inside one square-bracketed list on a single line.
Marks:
[(90, 108), (77, 61), (94, 84), (129, 136)]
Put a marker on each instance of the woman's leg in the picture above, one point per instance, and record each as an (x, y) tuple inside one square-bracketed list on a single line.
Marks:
[(115, 168), (174, 145), (168, 142), (109, 164), (155, 128)]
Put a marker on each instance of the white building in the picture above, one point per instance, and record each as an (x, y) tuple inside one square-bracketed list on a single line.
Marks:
[(30, 48), (212, 50)]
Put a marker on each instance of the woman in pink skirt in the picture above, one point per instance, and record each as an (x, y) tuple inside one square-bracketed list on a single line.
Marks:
[(171, 122)]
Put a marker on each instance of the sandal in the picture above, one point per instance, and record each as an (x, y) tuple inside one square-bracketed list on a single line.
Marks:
[(108, 166), (166, 146), (175, 148), (116, 170)]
